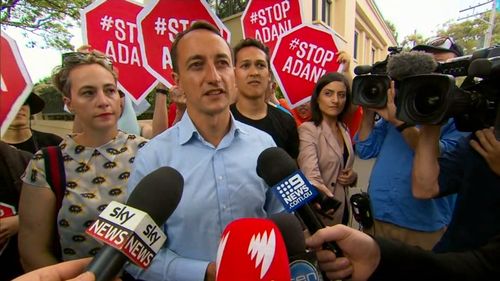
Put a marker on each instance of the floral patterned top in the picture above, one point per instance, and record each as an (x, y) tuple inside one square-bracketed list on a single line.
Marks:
[(94, 177)]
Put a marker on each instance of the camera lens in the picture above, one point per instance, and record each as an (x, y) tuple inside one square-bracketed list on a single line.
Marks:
[(427, 99), (371, 90)]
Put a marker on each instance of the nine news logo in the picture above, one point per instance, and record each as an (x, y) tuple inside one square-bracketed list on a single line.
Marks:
[(294, 191)]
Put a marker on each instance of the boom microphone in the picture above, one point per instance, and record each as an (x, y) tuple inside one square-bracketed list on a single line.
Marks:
[(302, 263), (407, 64), (128, 231), (252, 249), (280, 172)]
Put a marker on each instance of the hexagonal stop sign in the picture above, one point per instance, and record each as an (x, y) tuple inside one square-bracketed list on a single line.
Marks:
[(15, 82), (300, 58)]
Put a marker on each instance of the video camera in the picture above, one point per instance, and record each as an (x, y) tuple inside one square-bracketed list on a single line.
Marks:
[(370, 86), (433, 97)]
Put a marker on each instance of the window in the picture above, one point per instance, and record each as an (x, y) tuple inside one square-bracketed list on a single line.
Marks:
[(355, 52), (373, 55), (315, 10), (226, 8), (325, 14)]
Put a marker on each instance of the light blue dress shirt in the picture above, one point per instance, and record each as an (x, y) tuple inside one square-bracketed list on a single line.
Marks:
[(390, 181), (220, 185)]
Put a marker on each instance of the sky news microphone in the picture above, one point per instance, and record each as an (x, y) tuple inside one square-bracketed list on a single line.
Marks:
[(133, 231), (252, 249), (303, 264), (292, 188)]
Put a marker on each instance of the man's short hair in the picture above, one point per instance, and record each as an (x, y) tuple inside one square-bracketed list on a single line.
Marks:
[(198, 25), (251, 42)]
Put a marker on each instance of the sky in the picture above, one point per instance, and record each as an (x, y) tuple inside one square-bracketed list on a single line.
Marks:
[(423, 16)]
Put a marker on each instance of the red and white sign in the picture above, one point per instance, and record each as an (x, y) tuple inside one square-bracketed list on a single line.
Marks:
[(300, 58), (158, 24), (110, 27), (15, 82), (6, 210), (266, 20)]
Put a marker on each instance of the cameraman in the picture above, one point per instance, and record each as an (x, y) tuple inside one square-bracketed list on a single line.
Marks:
[(398, 215), (472, 171)]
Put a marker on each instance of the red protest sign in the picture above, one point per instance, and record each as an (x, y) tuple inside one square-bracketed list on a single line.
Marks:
[(266, 20), (110, 27), (15, 82), (160, 21), (300, 58)]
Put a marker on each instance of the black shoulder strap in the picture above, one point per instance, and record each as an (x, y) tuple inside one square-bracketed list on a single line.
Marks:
[(54, 172), (56, 178)]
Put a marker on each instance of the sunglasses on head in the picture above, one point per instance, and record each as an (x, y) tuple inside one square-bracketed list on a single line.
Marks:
[(441, 42), (77, 57)]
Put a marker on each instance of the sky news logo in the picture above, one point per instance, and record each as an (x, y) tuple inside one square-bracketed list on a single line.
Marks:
[(294, 191)]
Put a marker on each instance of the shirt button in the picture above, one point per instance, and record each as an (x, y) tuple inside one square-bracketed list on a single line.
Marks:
[(220, 178)]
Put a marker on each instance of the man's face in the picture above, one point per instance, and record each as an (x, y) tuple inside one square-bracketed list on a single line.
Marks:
[(205, 73), (252, 73), (443, 56), (22, 118)]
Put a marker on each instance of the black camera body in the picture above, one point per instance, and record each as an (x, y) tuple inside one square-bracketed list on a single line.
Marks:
[(433, 98), (369, 87)]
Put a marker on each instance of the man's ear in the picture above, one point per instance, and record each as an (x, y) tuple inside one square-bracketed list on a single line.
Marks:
[(175, 76), (67, 102)]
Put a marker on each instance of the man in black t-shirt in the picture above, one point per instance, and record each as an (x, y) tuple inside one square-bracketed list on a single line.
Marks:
[(253, 77), (20, 134)]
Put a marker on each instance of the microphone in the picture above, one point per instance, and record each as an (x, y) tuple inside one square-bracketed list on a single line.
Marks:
[(302, 263), (252, 249), (133, 231), (406, 64), (292, 188)]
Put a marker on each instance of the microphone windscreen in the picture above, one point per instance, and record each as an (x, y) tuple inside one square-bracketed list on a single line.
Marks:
[(252, 249), (406, 64), (292, 233), (274, 164), (158, 194)]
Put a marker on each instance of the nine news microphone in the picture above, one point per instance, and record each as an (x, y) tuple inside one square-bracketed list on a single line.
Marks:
[(303, 264), (252, 249), (133, 231), (292, 188)]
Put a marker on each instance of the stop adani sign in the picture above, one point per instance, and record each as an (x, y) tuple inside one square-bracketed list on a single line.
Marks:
[(15, 82), (160, 21), (266, 20), (110, 27), (300, 58)]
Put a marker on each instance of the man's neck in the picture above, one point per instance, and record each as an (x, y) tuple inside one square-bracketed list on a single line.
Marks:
[(212, 128), (255, 109), (17, 135)]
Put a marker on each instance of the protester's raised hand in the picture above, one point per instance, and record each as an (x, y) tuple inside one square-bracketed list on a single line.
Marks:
[(361, 253)]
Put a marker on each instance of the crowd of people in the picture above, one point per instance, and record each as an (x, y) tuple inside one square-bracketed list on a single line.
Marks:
[(435, 191)]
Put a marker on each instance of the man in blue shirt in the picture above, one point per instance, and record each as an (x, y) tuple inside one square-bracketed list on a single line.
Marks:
[(398, 215), (216, 155)]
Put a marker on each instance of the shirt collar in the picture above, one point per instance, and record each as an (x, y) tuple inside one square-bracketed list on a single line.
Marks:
[(108, 150), (188, 131)]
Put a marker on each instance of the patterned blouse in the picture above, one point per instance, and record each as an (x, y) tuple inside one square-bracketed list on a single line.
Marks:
[(94, 177)]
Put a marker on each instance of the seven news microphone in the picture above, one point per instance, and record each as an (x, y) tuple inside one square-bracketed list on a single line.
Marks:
[(133, 231)]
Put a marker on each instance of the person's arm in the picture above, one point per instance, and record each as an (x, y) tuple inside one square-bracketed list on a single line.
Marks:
[(426, 169), (308, 157), (9, 227), (489, 148), (36, 227), (160, 114), (366, 258)]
